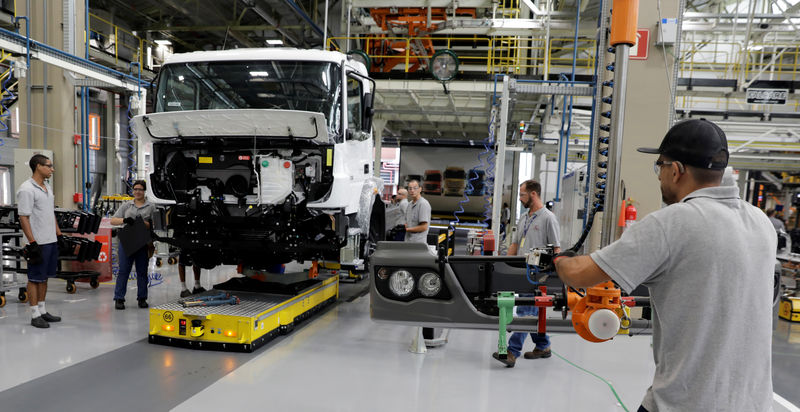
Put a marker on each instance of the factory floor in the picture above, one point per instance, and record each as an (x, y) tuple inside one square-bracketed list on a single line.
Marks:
[(98, 359)]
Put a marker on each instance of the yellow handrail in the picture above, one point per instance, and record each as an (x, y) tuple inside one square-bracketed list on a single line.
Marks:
[(503, 54), (136, 45), (519, 54)]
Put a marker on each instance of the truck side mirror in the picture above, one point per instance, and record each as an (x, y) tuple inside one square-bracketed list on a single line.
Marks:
[(368, 112)]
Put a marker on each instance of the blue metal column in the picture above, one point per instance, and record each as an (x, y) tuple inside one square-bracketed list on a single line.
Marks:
[(85, 118), (83, 154)]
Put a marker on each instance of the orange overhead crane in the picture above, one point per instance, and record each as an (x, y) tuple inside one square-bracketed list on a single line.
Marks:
[(404, 29)]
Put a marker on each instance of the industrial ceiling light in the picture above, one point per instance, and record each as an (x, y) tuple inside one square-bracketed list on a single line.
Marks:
[(275, 42), (444, 65), (163, 42), (360, 56)]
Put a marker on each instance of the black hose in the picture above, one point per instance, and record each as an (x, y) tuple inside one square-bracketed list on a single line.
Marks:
[(586, 230)]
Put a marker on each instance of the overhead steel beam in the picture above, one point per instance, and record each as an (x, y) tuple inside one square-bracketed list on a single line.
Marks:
[(541, 88), (697, 15), (202, 19), (379, 100), (455, 113), (459, 113), (218, 28), (88, 82), (403, 86), (416, 3), (765, 161), (14, 43), (294, 40), (422, 110), (713, 27), (793, 9), (469, 128)]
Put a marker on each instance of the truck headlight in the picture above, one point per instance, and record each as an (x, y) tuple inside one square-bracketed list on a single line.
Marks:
[(429, 284), (401, 283), (383, 274)]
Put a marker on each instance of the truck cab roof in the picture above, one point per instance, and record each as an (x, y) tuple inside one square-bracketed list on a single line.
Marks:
[(266, 53)]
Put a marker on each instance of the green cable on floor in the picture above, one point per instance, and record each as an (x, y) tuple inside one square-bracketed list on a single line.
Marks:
[(614, 391)]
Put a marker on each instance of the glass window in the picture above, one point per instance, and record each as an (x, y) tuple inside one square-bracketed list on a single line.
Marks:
[(283, 85), (355, 109), (353, 104)]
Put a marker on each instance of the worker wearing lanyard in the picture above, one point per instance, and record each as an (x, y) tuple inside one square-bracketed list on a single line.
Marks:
[(535, 229)]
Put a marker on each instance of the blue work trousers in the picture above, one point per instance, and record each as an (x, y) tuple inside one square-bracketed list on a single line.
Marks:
[(518, 338), (125, 264)]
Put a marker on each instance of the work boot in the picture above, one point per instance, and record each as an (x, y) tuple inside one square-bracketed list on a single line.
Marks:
[(185, 293), (143, 303), (38, 322), (119, 304), (509, 361), (537, 353), (51, 318), (198, 289)]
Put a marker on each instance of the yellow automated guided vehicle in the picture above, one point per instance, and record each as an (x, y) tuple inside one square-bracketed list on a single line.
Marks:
[(789, 308), (235, 320)]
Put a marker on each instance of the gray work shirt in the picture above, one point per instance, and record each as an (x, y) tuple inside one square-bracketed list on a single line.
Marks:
[(708, 262), (777, 223), (403, 205), (38, 203), (538, 230), (416, 213), (129, 209)]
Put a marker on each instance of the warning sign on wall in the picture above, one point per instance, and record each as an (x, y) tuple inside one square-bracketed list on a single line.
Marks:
[(639, 50)]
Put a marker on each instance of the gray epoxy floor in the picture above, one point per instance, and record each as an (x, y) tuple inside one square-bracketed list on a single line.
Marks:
[(340, 360)]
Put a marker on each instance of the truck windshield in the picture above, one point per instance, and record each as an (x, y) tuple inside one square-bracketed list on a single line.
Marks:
[(284, 85)]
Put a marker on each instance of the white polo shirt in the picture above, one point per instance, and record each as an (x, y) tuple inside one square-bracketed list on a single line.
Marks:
[(38, 203)]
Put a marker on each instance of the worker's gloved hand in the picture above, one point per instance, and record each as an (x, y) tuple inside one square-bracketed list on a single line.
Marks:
[(566, 253), (33, 253), (128, 221)]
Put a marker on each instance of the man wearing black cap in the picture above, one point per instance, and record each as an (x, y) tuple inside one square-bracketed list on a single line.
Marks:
[(708, 261)]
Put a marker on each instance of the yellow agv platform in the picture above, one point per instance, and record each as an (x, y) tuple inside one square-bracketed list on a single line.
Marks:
[(789, 308), (244, 327)]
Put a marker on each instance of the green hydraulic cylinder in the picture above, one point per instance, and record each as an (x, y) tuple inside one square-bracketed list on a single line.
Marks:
[(505, 302)]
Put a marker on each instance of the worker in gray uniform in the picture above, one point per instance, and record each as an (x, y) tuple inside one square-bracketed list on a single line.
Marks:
[(396, 216), (708, 260), (776, 223), (418, 218), (127, 214), (402, 199), (536, 228), (418, 214), (37, 218)]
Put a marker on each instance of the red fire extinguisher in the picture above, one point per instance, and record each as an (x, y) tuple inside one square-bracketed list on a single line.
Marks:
[(630, 214)]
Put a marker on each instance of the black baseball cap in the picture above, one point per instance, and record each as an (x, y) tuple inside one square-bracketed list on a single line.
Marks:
[(695, 142)]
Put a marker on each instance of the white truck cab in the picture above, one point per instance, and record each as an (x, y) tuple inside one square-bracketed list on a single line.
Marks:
[(262, 156)]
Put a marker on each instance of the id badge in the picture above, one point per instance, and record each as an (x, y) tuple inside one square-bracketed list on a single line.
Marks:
[(522, 244)]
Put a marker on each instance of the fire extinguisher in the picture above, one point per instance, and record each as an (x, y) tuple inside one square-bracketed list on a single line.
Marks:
[(630, 214)]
